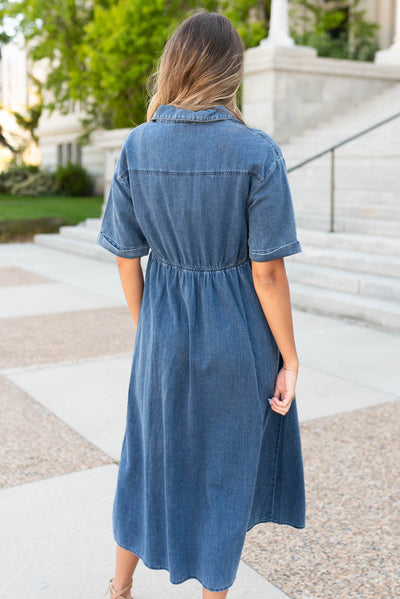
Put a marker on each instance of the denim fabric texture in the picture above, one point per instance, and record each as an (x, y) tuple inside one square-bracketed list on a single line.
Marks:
[(204, 457)]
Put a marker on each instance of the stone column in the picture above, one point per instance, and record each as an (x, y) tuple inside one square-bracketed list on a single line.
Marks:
[(279, 26), (111, 142), (391, 55)]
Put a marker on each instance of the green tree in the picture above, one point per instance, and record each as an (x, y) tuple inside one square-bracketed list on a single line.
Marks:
[(120, 48)]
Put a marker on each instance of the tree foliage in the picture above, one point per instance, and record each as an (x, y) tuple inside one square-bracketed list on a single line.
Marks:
[(250, 17), (120, 48), (29, 119)]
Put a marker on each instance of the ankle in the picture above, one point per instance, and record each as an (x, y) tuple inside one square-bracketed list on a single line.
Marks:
[(118, 584)]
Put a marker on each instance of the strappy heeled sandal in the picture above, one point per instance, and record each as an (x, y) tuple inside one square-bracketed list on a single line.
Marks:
[(117, 594)]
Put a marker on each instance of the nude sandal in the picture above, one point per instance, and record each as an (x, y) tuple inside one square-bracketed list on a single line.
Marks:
[(117, 594)]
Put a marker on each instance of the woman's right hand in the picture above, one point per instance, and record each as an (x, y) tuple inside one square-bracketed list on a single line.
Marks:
[(284, 392)]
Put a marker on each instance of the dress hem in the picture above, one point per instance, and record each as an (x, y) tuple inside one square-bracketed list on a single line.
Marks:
[(274, 521), (208, 588), (212, 589)]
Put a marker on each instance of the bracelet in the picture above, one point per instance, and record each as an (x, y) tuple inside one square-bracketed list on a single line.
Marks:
[(296, 371)]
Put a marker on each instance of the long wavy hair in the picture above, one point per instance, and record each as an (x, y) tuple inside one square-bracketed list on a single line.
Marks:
[(201, 66)]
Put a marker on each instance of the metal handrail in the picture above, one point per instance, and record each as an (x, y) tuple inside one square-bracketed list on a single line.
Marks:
[(331, 150)]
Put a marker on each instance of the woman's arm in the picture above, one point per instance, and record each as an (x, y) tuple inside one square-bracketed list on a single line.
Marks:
[(272, 288), (131, 275)]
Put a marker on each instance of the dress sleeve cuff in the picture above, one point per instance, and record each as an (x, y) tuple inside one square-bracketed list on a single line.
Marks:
[(113, 247), (284, 250)]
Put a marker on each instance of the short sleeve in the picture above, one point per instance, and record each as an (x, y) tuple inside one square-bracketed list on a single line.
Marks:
[(120, 232), (271, 220)]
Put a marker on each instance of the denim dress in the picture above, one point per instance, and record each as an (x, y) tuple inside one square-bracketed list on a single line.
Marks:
[(204, 457)]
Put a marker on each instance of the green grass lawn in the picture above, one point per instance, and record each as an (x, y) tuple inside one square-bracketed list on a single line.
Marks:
[(73, 209)]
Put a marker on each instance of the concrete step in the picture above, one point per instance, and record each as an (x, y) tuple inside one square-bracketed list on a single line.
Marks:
[(352, 182), (339, 131), (364, 262), (375, 312), (391, 213), (357, 197), (82, 233), (359, 149), (351, 123), (346, 166), (374, 244), (351, 225), (354, 282), (93, 223), (360, 154), (74, 246)]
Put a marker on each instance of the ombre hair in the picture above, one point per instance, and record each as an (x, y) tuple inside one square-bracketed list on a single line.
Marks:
[(201, 66)]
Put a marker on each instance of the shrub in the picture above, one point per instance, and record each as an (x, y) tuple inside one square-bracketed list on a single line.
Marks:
[(74, 180), (337, 33), (15, 174), (36, 184)]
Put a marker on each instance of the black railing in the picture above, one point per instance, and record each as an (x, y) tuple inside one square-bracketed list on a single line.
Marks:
[(331, 150)]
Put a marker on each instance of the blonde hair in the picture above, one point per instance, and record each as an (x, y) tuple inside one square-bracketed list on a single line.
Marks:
[(201, 66)]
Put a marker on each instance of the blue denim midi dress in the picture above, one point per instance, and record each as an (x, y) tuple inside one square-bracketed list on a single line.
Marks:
[(204, 457)]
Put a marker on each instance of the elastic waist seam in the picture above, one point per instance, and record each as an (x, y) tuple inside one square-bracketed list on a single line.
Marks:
[(198, 268)]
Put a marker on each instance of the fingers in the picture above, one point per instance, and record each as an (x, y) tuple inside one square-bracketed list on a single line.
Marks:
[(281, 406)]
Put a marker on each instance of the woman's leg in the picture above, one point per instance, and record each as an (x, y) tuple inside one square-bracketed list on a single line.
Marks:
[(211, 595), (125, 565)]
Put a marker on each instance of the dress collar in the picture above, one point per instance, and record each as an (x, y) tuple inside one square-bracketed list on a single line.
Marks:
[(173, 113)]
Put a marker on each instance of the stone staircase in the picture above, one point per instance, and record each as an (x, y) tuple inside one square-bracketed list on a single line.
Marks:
[(353, 273)]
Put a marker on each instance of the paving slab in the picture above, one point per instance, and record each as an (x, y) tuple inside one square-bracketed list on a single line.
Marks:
[(10, 276), (361, 354), (60, 544), (36, 444), (91, 397), (65, 337), (95, 276), (24, 300), (320, 394)]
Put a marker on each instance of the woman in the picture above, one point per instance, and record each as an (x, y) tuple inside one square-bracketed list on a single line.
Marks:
[(205, 456)]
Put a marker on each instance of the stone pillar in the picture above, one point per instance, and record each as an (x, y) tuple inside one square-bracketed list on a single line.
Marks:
[(391, 55), (111, 143), (279, 26)]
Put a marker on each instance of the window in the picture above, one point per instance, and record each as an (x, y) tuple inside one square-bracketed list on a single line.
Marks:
[(59, 154), (78, 154), (69, 153)]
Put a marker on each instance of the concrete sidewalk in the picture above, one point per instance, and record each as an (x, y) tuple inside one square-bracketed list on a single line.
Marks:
[(67, 341)]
